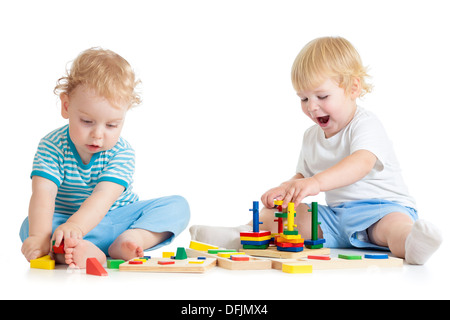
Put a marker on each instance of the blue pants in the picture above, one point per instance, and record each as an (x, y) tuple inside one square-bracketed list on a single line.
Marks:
[(156, 215), (345, 225)]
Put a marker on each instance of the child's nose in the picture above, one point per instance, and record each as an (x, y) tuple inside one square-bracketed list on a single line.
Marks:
[(97, 133)]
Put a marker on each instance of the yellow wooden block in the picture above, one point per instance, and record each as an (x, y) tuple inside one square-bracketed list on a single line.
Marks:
[(293, 268), (137, 259), (168, 254), (291, 236), (228, 254), (44, 262), (196, 261), (256, 238), (278, 202), (200, 246)]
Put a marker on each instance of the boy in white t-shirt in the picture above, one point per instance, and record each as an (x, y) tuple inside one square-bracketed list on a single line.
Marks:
[(347, 155)]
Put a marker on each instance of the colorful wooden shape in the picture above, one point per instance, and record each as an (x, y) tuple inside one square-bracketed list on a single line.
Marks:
[(228, 254), (94, 267), (168, 254), (376, 256), (58, 249), (181, 254), (240, 258), (255, 243), (292, 249), (44, 262), (114, 263), (135, 262), (319, 257), (200, 246), (256, 234), (162, 262), (349, 257), (293, 268)]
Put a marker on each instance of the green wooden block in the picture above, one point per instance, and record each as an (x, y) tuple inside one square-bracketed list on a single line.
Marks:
[(349, 257), (314, 246), (250, 246), (216, 251), (114, 263), (181, 254), (293, 232)]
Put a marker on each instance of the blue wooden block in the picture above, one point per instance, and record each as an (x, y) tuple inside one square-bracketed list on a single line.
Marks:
[(314, 242), (201, 258), (255, 243), (290, 249), (376, 256)]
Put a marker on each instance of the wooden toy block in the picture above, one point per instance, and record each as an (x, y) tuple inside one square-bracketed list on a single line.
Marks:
[(94, 267), (240, 258), (278, 202), (349, 257), (60, 248), (44, 262), (254, 238), (228, 254), (255, 243), (136, 262), (168, 254), (376, 256), (336, 263), (251, 264), (114, 263), (272, 252), (251, 246), (166, 262), (196, 261), (292, 249), (200, 246), (255, 234), (295, 268), (171, 265), (319, 257), (216, 251)]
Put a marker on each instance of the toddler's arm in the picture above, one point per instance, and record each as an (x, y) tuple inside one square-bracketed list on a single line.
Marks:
[(349, 170), (90, 213), (40, 215)]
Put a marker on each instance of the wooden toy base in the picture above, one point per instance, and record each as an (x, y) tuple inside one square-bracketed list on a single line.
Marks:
[(183, 266), (252, 264), (272, 252), (337, 263)]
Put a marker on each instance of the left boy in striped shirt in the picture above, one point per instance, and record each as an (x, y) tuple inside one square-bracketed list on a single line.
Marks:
[(82, 174)]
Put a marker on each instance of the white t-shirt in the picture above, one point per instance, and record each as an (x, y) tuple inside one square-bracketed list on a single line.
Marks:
[(364, 132)]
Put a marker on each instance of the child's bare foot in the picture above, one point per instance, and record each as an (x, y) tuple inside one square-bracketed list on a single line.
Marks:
[(77, 251), (127, 246)]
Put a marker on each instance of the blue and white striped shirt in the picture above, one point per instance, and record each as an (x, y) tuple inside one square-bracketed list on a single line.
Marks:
[(57, 160)]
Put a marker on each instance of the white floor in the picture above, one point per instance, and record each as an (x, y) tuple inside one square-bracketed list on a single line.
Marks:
[(430, 281)]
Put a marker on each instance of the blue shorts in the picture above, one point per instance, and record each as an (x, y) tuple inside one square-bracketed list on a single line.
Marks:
[(345, 225), (157, 215)]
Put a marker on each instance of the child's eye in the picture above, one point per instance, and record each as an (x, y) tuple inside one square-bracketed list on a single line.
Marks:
[(304, 99), (112, 125), (322, 97), (86, 121)]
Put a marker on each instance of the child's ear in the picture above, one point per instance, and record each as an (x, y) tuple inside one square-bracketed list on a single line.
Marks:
[(355, 90), (64, 105)]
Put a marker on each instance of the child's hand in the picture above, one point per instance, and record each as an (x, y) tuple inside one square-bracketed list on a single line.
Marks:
[(35, 247), (66, 231), (291, 191)]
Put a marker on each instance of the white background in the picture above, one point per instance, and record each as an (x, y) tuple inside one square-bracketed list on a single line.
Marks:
[(220, 122)]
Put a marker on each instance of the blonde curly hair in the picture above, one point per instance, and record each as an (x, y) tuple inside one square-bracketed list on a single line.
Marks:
[(333, 57), (104, 71)]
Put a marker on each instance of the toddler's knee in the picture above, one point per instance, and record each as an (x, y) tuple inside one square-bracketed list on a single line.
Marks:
[(180, 205)]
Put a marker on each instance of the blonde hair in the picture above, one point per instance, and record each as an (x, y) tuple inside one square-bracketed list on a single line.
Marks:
[(333, 57), (104, 71)]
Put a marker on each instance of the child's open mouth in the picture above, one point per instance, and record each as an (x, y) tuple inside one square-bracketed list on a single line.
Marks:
[(323, 120)]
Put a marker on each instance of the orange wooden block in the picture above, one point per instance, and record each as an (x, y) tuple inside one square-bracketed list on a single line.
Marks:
[(166, 262), (240, 258), (94, 267)]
